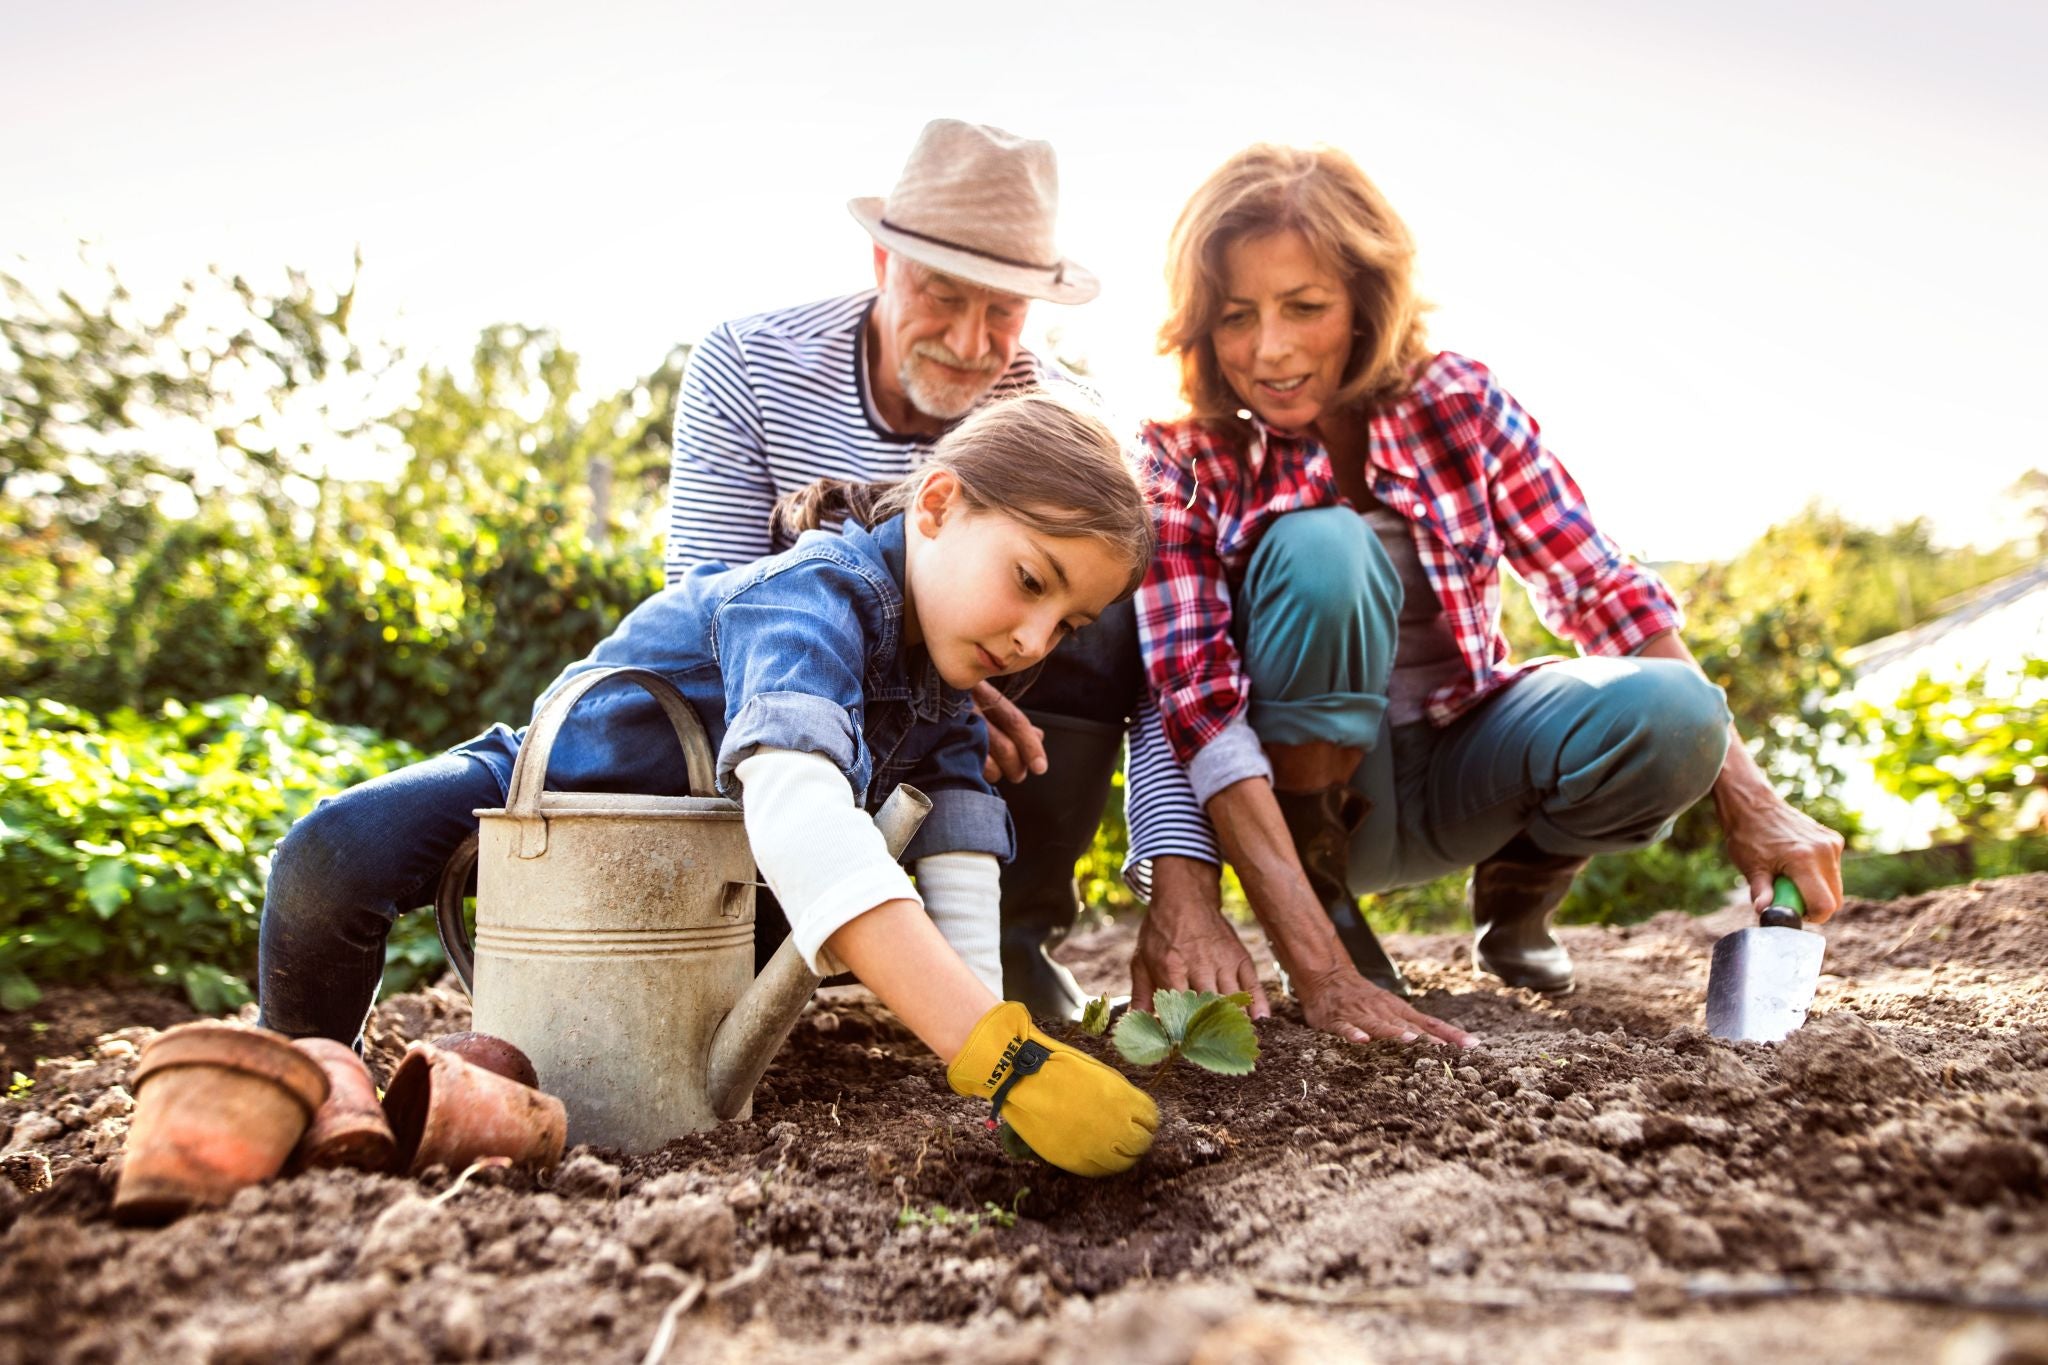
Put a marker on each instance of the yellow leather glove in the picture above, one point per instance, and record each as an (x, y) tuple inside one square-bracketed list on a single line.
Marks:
[(1074, 1111)]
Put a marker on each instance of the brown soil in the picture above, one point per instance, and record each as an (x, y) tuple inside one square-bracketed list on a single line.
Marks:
[(1598, 1182)]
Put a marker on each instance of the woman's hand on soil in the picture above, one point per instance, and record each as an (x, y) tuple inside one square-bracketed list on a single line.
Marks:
[(1769, 838), (1016, 747), (1342, 1002), (1192, 950)]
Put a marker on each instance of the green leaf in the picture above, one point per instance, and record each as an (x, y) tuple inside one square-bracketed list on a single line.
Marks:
[(1095, 1016), (1140, 1038), (213, 991), (1175, 1008), (107, 883), (17, 992), (1221, 1037)]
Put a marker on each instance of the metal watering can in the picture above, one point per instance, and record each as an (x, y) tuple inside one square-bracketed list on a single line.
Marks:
[(615, 938)]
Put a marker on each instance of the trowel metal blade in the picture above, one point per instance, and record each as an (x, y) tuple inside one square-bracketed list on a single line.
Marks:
[(1762, 982)]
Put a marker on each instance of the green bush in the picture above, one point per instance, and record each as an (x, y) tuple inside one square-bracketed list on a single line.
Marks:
[(434, 641), (137, 846), (1978, 745), (1887, 876), (428, 642)]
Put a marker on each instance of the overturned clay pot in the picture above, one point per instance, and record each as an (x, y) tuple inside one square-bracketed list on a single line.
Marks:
[(350, 1128), (446, 1110), (492, 1053), (218, 1107)]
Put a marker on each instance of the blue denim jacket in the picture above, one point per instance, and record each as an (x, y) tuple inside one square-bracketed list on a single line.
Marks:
[(803, 650)]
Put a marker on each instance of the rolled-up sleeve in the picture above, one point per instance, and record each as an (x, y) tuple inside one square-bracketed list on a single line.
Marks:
[(1166, 819), (790, 720), (1584, 586), (966, 815)]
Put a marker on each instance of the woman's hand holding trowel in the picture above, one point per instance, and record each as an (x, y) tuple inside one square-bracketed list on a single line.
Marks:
[(1768, 838)]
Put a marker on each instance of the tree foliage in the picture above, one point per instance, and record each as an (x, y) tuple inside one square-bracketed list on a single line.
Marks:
[(234, 391), (519, 527)]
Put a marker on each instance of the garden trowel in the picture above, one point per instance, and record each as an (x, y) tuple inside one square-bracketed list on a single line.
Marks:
[(1763, 979)]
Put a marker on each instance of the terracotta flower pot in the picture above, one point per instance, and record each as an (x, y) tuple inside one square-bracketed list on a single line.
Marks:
[(492, 1054), (218, 1107), (350, 1129), (448, 1111)]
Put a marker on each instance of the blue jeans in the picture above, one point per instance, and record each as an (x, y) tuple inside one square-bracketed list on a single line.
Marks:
[(342, 877), (1591, 755)]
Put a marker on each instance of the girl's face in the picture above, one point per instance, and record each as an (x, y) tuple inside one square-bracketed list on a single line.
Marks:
[(988, 595), (1284, 336)]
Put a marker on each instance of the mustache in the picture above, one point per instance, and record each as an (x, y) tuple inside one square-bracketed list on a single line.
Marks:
[(941, 352)]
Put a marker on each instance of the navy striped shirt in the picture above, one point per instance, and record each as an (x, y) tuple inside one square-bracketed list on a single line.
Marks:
[(775, 401)]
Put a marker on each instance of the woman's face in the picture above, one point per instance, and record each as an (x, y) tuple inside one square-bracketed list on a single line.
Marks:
[(1285, 333)]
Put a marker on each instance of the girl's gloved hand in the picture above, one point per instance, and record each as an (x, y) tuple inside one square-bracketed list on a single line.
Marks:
[(1074, 1111)]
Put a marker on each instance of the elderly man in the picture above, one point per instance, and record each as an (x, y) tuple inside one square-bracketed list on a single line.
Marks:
[(859, 387)]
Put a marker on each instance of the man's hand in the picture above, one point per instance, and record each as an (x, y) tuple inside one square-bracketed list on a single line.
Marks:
[(1342, 1002), (1016, 747), (1766, 837), (1185, 943)]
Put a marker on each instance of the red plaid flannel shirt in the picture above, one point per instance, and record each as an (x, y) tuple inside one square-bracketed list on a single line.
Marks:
[(1460, 459)]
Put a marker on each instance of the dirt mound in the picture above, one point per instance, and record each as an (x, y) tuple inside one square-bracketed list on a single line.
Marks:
[(1600, 1180)]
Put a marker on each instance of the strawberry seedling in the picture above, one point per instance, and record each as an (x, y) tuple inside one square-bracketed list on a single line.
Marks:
[(1212, 1031), (1095, 1016)]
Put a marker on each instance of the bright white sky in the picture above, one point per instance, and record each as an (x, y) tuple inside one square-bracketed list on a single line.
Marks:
[(1733, 256)]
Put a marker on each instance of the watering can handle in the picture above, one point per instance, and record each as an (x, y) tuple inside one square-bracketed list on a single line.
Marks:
[(530, 769), (529, 779), (448, 912)]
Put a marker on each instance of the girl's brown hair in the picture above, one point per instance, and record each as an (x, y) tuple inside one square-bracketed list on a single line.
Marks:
[(1035, 458), (1320, 193)]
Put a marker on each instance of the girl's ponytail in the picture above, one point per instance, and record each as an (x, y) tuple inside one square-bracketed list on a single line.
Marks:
[(1036, 458), (829, 502)]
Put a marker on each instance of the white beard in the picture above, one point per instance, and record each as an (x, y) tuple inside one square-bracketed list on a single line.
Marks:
[(948, 402)]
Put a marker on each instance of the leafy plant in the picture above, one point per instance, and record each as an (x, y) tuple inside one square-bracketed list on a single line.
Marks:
[(940, 1216), (137, 845), (1212, 1031), (1095, 1016)]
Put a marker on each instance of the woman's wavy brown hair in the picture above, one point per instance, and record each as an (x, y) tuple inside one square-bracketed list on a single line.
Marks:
[(1320, 193), (1036, 458)]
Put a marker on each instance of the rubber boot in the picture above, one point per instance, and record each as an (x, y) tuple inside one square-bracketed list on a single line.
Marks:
[(1055, 815), (1512, 896), (1321, 824)]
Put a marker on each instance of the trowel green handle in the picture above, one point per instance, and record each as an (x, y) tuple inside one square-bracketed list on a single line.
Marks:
[(1788, 907)]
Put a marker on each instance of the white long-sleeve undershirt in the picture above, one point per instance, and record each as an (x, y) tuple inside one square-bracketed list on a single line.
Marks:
[(963, 895), (827, 864)]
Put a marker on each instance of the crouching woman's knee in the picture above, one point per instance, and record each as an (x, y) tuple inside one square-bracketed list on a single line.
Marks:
[(1325, 570), (1690, 727)]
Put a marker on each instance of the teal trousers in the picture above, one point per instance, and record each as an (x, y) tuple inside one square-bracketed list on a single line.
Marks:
[(1590, 755)]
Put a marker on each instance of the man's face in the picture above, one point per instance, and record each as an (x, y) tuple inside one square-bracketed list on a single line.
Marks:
[(941, 342)]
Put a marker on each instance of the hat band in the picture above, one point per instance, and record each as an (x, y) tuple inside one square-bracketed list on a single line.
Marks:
[(1054, 268)]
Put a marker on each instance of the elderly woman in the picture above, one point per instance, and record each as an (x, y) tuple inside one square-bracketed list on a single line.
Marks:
[(1321, 626)]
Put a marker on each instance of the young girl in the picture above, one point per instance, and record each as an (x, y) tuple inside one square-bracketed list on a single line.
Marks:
[(824, 676)]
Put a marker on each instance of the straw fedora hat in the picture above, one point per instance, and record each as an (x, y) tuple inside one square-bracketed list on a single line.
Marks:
[(978, 203)]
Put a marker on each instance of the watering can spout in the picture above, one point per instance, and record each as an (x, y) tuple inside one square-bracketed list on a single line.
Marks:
[(753, 1033)]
